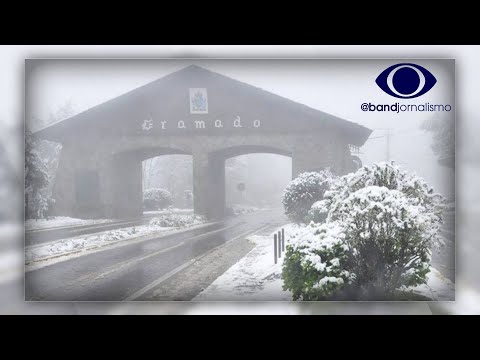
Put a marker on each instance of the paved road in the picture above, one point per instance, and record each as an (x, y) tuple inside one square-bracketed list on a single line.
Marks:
[(127, 272), (119, 273)]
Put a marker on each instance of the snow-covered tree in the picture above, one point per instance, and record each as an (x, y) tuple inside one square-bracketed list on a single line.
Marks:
[(443, 131), (36, 179), (380, 226), (303, 191), (154, 199), (41, 160)]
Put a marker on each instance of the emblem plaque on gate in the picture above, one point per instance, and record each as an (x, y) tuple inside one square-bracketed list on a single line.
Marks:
[(198, 101)]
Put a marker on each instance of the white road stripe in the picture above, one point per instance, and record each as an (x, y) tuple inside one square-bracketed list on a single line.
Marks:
[(122, 265), (157, 282), (136, 260), (55, 259)]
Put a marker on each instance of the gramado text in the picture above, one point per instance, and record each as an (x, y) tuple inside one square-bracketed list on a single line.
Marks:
[(149, 124)]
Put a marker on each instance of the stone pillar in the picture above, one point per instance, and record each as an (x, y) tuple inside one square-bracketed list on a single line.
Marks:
[(217, 187), (200, 183), (127, 190), (63, 191), (78, 190), (208, 185)]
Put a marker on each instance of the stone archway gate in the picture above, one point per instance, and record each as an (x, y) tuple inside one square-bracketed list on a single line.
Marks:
[(192, 111)]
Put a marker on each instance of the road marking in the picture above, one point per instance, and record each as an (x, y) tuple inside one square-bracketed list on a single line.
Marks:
[(157, 282), (122, 265), (97, 275), (57, 258), (126, 263)]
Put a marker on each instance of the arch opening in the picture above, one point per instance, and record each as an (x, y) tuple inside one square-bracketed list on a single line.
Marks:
[(136, 170), (172, 173), (256, 181), (244, 178)]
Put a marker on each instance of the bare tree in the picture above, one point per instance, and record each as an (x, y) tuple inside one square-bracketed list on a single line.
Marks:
[(443, 131)]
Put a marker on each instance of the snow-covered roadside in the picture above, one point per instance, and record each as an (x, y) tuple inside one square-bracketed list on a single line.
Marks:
[(56, 221), (32, 224), (169, 211), (437, 288), (256, 278), (244, 209), (83, 244)]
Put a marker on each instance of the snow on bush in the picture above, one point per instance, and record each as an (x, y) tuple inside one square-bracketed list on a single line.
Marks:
[(156, 198), (176, 220), (315, 262), (387, 175), (319, 211), (382, 222), (303, 191)]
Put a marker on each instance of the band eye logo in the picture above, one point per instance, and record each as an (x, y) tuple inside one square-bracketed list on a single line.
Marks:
[(406, 81)]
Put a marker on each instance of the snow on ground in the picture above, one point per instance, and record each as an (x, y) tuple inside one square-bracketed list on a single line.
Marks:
[(168, 211), (438, 287), (33, 224), (39, 252), (243, 209), (255, 277), (54, 221)]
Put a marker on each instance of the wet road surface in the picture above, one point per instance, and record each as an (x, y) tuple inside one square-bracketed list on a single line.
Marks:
[(118, 273)]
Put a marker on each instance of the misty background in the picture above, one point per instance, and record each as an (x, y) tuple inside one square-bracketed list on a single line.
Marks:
[(57, 89)]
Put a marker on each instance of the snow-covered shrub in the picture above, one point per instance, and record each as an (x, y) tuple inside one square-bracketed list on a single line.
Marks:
[(391, 235), (303, 191), (387, 175), (156, 198), (386, 221), (315, 263), (176, 220), (318, 213)]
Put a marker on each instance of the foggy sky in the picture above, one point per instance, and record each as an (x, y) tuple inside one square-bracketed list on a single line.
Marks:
[(337, 87)]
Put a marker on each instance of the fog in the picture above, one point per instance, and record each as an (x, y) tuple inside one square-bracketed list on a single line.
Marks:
[(264, 177), (336, 87)]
